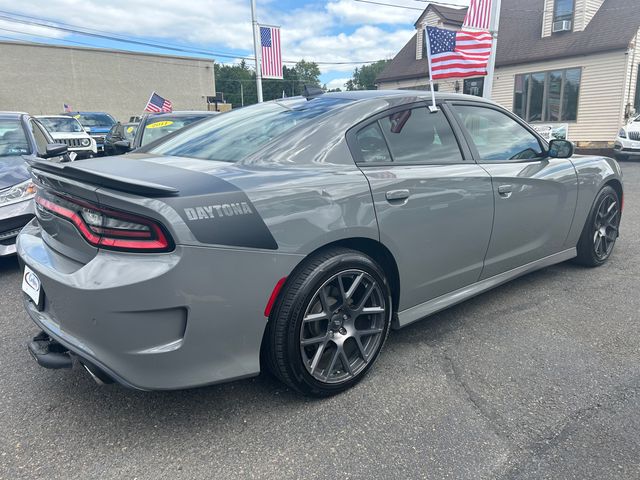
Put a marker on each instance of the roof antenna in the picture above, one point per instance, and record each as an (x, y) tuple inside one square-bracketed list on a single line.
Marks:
[(310, 92)]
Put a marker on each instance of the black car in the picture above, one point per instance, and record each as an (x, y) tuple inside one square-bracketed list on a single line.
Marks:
[(120, 132), (20, 136), (154, 126)]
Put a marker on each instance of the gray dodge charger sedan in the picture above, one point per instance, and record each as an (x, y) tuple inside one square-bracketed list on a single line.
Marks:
[(293, 235)]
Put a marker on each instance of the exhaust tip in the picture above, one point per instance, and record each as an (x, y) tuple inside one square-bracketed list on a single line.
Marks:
[(98, 375)]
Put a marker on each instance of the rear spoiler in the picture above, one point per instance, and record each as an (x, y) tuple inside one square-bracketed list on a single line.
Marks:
[(123, 184)]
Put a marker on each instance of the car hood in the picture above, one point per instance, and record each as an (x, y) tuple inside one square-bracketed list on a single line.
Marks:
[(13, 170), (94, 130), (632, 127)]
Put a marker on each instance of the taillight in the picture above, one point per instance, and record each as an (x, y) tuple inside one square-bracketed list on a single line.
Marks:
[(106, 228)]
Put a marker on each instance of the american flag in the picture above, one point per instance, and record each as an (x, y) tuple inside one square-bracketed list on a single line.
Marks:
[(157, 104), (457, 54), (67, 108), (271, 52), (478, 15)]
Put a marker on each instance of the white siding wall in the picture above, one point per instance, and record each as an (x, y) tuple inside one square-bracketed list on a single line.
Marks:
[(585, 10), (547, 17), (600, 111), (447, 86), (632, 72)]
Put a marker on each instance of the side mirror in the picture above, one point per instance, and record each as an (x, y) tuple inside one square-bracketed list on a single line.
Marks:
[(55, 150), (87, 129), (122, 146), (560, 148)]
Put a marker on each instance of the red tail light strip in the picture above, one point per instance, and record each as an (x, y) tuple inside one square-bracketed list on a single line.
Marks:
[(274, 296), (160, 242)]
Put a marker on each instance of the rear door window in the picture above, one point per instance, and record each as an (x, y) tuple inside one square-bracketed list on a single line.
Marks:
[(418, 136)]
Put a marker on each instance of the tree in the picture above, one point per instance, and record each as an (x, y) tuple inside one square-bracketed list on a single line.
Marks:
[(364, 78), (238, 82)]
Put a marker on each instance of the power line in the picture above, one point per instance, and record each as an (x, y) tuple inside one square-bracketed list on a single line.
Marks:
[(35, 21), (390, 5)]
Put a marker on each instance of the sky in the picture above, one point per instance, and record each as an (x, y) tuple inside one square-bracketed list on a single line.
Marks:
[(321, 31)]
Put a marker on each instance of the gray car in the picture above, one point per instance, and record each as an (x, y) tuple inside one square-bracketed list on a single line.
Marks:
[(293, 235)]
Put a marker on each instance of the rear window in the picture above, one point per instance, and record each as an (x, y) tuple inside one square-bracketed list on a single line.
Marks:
[(95, 119), (235, 135), (13, 140)]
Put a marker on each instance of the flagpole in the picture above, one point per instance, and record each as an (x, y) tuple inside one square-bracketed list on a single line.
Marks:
[(433, 108), (491, 67), (257, 50)]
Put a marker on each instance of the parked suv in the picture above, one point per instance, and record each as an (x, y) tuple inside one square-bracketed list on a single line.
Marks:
[(97, 124), (69, 131), (154, 126), (20, 135), (627, 142)]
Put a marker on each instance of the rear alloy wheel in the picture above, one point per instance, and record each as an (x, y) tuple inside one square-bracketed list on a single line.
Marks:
[(331, 323), (601, 230)]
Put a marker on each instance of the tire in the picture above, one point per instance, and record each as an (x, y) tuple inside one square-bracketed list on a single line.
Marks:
[(330, 323), (600, 230)]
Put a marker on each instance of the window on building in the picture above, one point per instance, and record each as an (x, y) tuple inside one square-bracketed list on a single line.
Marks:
[(473, 86), (547, 96), (563, 10)]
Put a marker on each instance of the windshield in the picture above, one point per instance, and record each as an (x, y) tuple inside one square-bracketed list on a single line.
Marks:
[(157, 128), (95, 119), (13, 140), (235, 135), (61, 124)]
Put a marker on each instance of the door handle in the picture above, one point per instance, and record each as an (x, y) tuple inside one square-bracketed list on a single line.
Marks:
[(396, 195), (505, 190)]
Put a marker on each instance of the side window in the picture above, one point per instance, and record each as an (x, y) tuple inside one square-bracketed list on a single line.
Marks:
[(40, 136), (418, 136), (373, 148), (497, 136)]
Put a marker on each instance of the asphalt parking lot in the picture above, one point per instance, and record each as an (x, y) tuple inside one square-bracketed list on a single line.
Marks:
[(537, 379)]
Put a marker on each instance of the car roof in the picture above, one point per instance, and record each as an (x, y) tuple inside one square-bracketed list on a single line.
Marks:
[(183, 113), (12, 115), (426, 94), (52, 116)]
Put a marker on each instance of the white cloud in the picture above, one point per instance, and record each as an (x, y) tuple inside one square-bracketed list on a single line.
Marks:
[(337, 83), (322, 32)]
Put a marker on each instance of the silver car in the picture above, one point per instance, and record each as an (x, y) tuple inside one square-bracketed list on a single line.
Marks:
[(293, 235)]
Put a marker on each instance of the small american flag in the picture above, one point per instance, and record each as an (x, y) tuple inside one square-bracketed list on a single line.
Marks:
[(157, 104), (457, 54), (67, 108), (271, 52), (478, 15)]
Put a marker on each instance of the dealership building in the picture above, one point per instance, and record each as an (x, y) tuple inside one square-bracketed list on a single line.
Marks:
[(40, 79)]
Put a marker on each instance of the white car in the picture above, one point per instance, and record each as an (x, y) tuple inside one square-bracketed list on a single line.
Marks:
[(627, 142), (68, 130)]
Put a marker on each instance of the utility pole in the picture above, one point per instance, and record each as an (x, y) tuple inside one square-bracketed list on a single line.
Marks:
[(241, 94), (491, 67), (257, 50)]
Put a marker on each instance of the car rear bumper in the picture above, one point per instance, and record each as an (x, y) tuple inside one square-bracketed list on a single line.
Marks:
[(158, 321), (12, 218)]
